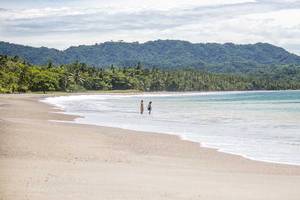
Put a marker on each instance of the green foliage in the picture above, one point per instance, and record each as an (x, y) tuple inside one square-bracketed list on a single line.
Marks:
[(212, 57), (44, 80), (19, 76)]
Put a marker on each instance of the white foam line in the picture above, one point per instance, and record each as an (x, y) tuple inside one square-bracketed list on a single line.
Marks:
[(54, 101)]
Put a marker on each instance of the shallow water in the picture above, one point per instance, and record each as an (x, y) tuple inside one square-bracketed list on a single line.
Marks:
[(261, 125)]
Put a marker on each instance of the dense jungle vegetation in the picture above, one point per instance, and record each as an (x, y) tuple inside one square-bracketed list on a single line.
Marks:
[(16, 75)]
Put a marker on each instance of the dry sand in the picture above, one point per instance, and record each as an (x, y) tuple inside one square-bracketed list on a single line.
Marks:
[(46, 160)]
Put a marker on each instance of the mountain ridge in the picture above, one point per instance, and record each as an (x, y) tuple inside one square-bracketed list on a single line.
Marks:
[(227, 57)]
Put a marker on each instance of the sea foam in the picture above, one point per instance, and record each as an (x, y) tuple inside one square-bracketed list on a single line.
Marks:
[(260, 125)]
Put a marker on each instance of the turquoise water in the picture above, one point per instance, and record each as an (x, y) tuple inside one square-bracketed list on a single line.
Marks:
[(260, 125)]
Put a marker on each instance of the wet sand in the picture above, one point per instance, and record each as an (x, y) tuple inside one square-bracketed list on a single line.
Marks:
[(42, 159)]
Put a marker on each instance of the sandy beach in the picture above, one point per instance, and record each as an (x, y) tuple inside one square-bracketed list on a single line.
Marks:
[(41, 159)]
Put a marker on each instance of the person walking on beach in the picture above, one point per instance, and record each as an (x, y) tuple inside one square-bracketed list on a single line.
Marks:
[(142, 107), (149, 107)]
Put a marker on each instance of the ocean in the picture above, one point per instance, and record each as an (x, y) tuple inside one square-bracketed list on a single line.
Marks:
[(259, 125)]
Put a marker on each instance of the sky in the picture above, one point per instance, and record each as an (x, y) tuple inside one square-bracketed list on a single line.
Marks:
[(64, 23)]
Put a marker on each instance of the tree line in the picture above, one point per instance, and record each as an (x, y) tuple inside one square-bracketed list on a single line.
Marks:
[(16, 75), (212, 57)]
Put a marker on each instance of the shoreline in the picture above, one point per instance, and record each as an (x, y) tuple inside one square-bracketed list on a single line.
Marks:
[(40, 157), (201, 144)]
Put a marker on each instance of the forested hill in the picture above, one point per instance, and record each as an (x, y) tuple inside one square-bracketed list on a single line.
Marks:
[(17, 75), (212, 57)]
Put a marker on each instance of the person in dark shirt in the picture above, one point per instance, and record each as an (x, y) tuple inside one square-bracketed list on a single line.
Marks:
[(142, 107), (149, 107)]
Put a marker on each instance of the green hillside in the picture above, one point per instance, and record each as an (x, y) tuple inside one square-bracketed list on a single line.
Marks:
[(212, 57)]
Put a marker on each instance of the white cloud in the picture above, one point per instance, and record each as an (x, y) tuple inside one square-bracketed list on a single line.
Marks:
[(117, 4), (64, 23)]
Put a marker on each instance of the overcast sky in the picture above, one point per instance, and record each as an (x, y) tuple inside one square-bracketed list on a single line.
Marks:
[(64, 23)]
